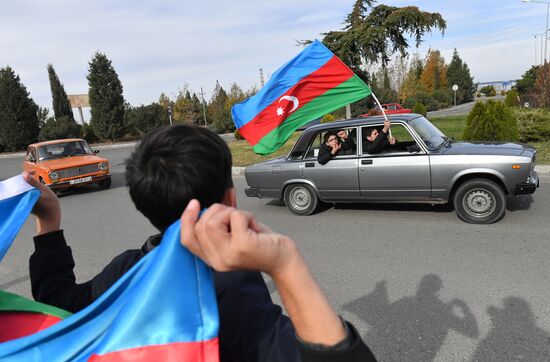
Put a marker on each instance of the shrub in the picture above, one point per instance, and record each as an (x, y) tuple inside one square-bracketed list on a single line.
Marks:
[(492, 93), (238, 135), (488, 90), (420, 109), (63, 127), (533, 124), (491, 121), (88, 133), (503, 92), (327, 118), (512, 99), (478, 95)]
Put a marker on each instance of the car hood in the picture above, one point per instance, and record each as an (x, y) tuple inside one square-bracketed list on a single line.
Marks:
[(69, 162), (489, 148)]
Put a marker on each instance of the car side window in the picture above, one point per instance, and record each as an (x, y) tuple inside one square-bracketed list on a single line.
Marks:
[(405, 142), (392, 108), (314, 147)]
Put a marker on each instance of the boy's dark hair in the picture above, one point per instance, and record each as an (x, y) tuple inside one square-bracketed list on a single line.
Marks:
[(173, 165), (327, 135)]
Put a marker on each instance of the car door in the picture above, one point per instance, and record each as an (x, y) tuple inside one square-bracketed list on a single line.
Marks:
[(400, 173), (337, 179)]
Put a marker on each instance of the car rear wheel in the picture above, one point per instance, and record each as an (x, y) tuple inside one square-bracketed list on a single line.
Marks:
[(480, 201), (301, 199)]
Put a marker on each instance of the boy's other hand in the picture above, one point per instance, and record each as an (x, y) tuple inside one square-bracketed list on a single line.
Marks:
[(47, 209)]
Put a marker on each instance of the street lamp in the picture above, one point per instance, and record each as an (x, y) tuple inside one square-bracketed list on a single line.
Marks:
[(170, 114), (547, 15), (541, 36)]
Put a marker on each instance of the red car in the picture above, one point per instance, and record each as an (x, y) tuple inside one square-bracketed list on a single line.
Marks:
[(391, 108)]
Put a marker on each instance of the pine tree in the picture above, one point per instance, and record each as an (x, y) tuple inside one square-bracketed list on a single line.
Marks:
[(458, 73), (18, 113), (217, 110), (106, 99), (60, 101)]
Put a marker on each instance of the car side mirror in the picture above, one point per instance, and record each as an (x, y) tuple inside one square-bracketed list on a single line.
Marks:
[(31, 158), (96, 150)]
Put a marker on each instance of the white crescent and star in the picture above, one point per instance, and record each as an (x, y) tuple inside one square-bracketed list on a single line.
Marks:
[(295, 104)]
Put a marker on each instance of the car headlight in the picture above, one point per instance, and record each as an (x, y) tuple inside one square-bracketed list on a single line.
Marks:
[(54, 175), (103, 166)]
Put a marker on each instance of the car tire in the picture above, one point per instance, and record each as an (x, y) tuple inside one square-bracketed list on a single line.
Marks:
[(104, 184), (480, 201), (301, 199)]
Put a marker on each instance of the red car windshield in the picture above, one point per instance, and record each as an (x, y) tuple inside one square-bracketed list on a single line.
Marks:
[(63, 149)]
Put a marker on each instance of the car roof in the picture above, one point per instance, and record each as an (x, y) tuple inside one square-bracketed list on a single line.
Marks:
[(56, 141), (365, 121)]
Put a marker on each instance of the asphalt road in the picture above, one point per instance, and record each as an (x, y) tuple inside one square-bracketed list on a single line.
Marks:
[(419, 284), (462, 109)]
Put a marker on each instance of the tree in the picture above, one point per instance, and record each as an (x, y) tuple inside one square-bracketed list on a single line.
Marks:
[(184, 109), (42, 114), (526, 84), (146, 118), (542, 86), (60, 101), (512, 98), (434, 73), (217, 111), (372, 34), (59, 127), (412, 86), (385, 93), (106, 99), (458, 73), (491, 121), (18, 113)]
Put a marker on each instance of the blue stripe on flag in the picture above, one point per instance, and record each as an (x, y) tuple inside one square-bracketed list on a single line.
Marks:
[(309, 60)]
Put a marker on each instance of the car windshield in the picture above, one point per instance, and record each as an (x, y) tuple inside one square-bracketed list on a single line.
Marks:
[(432, 137), (63, 149)]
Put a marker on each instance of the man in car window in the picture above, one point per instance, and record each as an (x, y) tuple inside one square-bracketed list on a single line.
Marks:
[(329, 148), (377, 142), (347, 143)]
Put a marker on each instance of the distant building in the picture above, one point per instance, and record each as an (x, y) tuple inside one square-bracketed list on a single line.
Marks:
[(504, 85)]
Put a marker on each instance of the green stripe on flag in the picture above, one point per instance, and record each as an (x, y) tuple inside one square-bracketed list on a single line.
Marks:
[(14, 303), (350, 91)]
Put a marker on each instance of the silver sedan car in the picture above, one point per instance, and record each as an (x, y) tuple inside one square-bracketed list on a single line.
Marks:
[(424, 166)]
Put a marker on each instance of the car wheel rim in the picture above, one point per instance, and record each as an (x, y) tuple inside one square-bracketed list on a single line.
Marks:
[(479, 203), (300, 199)]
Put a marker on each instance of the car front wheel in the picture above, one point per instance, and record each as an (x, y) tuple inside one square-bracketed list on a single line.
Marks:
[(480, 201), (301, 199)]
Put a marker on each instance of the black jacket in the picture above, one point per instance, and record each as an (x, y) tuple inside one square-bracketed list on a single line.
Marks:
[(252, 328), (380, 143), (325, 154)]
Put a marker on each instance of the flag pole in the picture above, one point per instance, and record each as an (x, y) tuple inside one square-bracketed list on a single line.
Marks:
[(382, 109)]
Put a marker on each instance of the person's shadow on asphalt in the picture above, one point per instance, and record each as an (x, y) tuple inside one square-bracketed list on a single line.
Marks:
[(514, 335), (412, 328)]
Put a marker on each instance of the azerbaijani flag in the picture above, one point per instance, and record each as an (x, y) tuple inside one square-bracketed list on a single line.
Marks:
[(163, 309), (310, 85)]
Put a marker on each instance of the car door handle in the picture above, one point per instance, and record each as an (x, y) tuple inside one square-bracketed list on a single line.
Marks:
[(310, 164), (366, 162)]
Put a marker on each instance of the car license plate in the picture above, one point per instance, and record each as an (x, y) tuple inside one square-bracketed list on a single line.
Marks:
[(80, 180)]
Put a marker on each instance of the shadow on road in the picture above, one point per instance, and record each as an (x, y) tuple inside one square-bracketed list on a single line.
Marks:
[(522, 202), (514, 335), (412, 328)]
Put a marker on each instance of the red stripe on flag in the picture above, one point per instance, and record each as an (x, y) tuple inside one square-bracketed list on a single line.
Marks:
[(15, 325), (204, 351), (330, 75)]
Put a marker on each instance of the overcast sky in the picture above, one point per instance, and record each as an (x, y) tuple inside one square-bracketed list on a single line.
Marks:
[(160, 46)]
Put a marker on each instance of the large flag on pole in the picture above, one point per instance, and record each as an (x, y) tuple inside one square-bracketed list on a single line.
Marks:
[(163, 309), (310, 85)]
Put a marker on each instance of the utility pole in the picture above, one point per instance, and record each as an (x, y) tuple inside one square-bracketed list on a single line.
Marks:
[(261, 78), (203, 107)]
